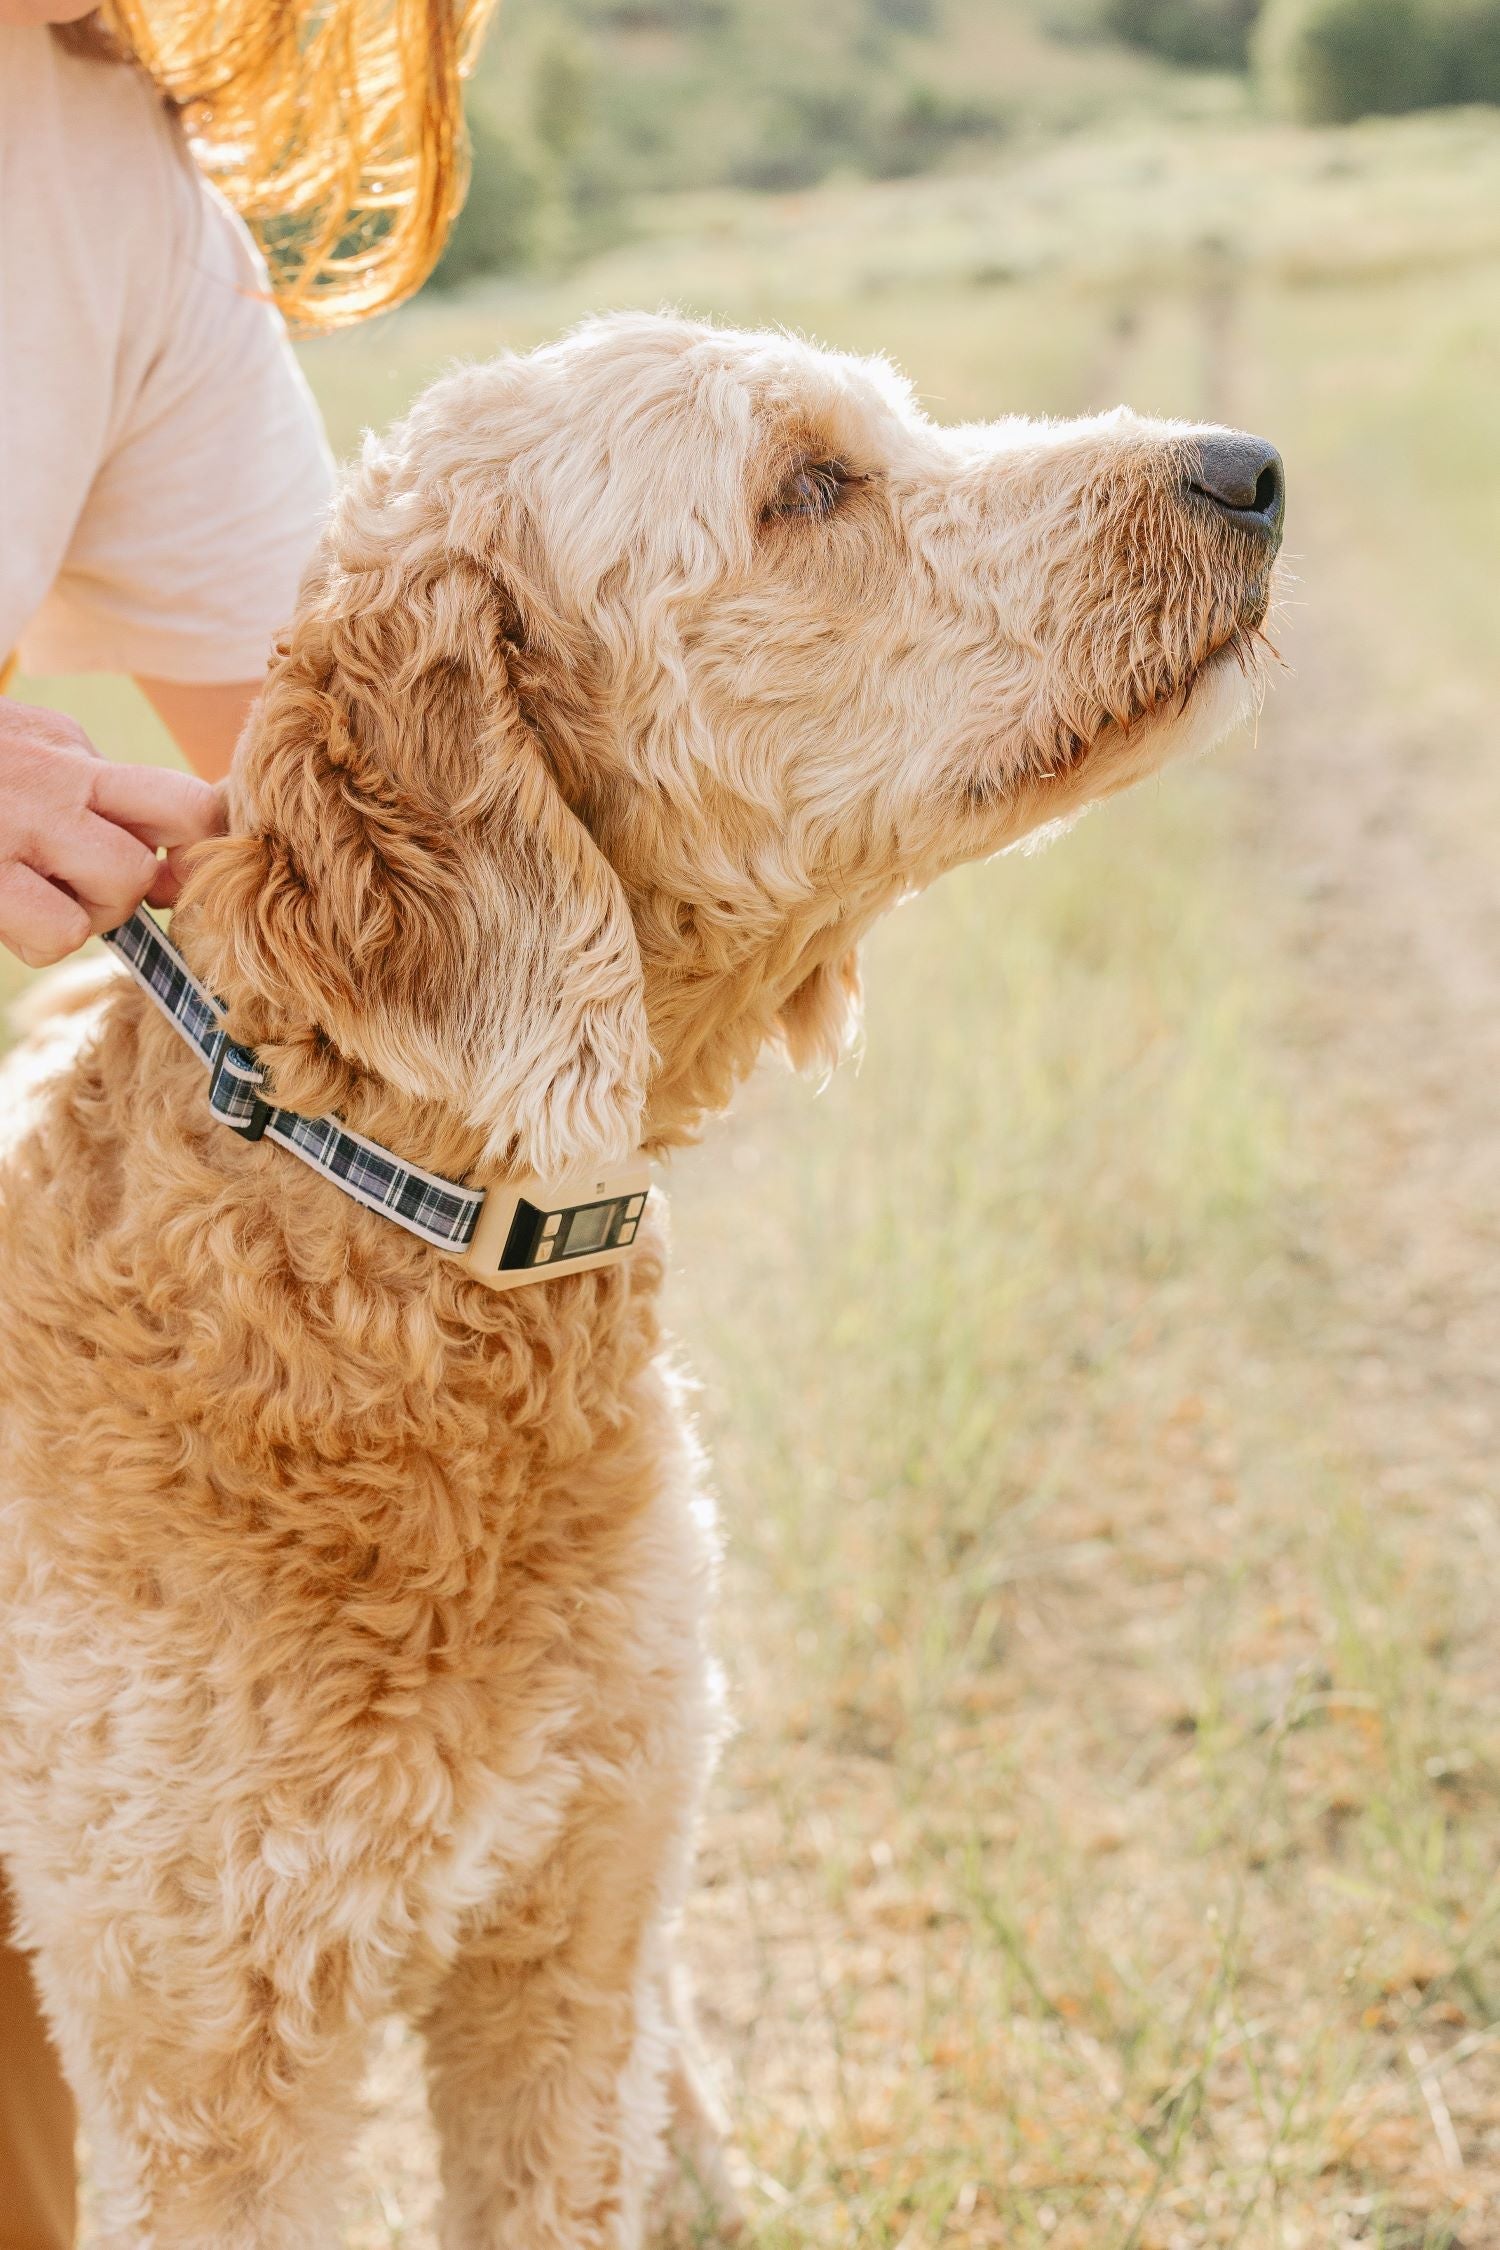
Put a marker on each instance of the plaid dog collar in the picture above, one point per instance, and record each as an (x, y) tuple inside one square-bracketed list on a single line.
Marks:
[(524, 1230), (440, 1211)]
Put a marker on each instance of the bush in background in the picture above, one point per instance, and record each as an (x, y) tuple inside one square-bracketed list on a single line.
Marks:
[(542, 187), (1472, 70), (507, 214), (1330, 61), (1202, 34), (860, 127)]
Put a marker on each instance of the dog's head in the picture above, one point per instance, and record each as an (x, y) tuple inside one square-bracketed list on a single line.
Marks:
[(637, 676)]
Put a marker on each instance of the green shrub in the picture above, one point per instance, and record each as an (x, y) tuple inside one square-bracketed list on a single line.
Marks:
[(509, 212), (917, 16), (658, 15), (1329, 61), (1473, 51), (914, 133), (807, 132), (562, 94), (1207, 34)]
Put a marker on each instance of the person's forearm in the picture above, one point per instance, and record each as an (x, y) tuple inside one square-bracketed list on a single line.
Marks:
[(204, 720)]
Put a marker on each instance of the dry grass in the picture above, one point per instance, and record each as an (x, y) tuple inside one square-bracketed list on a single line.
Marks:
[(1097, 1380)]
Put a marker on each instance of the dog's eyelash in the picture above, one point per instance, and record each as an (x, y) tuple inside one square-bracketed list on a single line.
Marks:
[(813, 490)]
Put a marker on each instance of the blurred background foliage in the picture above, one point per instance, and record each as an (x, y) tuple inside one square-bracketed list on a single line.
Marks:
[(584, 109)]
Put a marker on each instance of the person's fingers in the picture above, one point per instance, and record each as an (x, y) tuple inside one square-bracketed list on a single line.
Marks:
[(168, 881), (171, 873), (37, 920), (105, 867), (85, 850), (157, 804)]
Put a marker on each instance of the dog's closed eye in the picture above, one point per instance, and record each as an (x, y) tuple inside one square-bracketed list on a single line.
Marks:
[(812, 489)]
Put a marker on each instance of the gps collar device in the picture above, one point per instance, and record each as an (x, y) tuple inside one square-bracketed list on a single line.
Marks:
[(522, 1230)]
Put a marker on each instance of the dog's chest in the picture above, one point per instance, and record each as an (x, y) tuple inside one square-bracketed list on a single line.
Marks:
[(364, 1679), (508, 1819), (528, 1719)]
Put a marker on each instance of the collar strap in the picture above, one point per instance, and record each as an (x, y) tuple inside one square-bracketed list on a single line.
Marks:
[(523, 1230), (440, 1211)]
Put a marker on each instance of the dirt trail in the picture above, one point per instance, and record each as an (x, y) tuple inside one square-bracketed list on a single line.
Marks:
[(1391, 928), (1395, 930)]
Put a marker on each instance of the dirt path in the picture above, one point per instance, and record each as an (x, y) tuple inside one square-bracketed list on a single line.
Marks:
[(1395, 940)]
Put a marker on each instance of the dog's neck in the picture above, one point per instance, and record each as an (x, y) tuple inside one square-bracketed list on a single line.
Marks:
[(307, 1073)]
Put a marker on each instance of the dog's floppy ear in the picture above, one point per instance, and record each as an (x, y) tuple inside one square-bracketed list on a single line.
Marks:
[(409, 892)]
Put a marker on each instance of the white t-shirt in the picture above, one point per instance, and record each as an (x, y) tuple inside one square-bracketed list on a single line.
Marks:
[(163, 469)]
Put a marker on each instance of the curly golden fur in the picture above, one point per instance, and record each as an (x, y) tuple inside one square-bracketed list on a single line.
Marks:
[(353, 1615)]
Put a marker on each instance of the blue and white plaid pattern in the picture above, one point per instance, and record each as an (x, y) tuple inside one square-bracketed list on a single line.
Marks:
[(440, 1211), (234, 1090), (155, 963)]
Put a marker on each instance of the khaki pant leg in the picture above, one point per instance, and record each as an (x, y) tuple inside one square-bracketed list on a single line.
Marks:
[(38, 2186)]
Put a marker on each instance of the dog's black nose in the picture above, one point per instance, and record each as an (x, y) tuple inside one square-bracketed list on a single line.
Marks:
[(1243, 478)]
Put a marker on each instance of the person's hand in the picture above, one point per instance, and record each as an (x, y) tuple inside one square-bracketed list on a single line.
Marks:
[(79, 836)]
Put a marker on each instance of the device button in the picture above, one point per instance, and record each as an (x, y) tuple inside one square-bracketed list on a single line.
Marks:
[(635, 1207), (552, 1225), (542, 1253), (626, 1234)]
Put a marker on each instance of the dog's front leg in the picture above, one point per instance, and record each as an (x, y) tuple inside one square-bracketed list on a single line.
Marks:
[(555, 2050), (552, 2041), (217, 2075), (550, 2048)]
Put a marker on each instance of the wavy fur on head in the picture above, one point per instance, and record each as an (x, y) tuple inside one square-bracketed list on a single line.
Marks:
[(353, 1615)]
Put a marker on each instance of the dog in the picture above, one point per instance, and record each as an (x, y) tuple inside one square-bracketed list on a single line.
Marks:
[(354, 1612)]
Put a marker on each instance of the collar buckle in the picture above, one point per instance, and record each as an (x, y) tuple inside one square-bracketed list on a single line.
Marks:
[(234, 1090)]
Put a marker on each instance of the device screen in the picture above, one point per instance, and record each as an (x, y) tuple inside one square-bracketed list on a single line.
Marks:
[(589, 1228), (541, 1238)]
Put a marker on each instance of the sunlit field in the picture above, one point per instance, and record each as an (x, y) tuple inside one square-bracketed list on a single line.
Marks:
[(1100, 1376)]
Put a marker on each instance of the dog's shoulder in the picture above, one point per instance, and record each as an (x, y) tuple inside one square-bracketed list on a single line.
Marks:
[(53, 1020)]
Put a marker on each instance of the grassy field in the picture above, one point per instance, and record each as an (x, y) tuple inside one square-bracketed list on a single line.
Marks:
[(1107, 1853)]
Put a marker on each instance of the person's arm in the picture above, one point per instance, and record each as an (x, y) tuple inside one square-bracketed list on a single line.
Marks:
[(79, 836), (203, 719), (183, 564)]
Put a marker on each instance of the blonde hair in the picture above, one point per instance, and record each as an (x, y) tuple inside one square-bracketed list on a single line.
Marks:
[(334, 126)]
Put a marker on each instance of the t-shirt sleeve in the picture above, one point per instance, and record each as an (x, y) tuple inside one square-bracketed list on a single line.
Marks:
[(185, 561)]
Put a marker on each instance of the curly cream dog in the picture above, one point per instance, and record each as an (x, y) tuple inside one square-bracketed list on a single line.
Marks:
[(354, 1614)]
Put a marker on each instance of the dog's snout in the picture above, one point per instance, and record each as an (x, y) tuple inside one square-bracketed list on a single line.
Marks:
[(1243, 478)]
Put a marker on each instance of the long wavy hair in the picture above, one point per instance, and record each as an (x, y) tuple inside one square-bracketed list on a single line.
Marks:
[(334, 126)]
